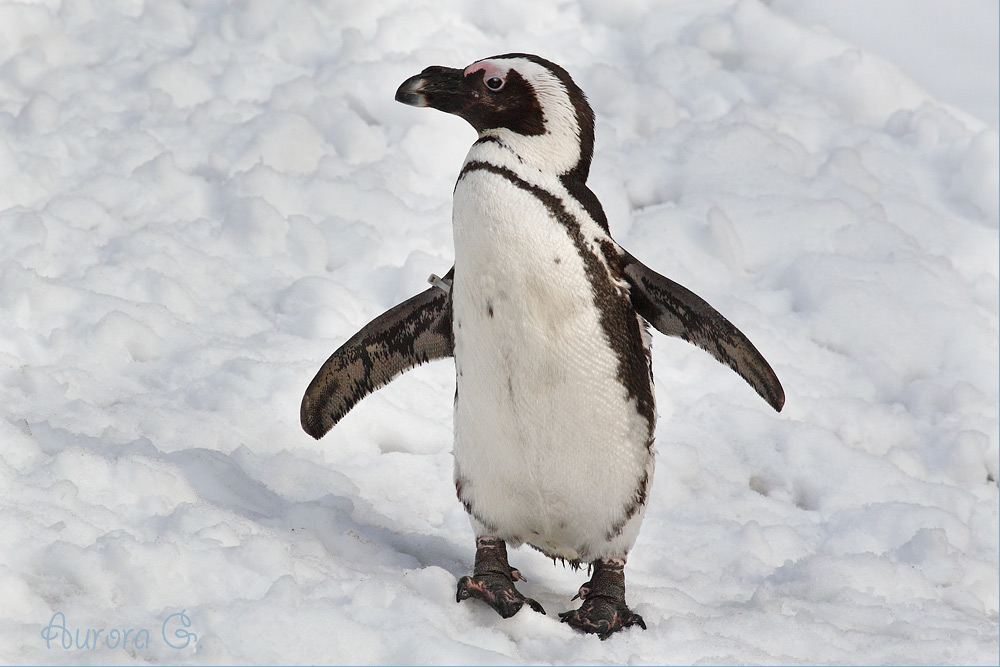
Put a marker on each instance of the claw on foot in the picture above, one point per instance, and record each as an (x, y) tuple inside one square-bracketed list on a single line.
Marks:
[(493, 580), (603, 611)]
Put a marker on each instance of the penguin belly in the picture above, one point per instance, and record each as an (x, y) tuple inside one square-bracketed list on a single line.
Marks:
[(549, 447)]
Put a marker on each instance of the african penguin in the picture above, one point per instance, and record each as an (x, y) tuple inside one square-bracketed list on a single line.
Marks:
[(548, 321)]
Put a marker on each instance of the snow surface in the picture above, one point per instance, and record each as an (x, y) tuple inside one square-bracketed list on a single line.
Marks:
[(199, 201)]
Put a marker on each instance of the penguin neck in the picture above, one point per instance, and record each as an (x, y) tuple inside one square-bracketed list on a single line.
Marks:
[(496, 149), (557, 153)]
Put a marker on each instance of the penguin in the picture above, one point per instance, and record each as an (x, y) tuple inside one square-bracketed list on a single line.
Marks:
[(547, 319)]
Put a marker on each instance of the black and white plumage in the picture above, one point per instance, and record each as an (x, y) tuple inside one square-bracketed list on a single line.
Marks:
[(546, 317)]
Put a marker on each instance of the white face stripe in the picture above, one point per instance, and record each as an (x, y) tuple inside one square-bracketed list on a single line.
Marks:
[(558, 149)]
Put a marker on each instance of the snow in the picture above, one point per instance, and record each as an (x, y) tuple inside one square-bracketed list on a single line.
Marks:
[(200, 201)]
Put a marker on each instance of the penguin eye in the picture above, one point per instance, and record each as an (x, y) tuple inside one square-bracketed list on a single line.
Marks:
[(494, 83)]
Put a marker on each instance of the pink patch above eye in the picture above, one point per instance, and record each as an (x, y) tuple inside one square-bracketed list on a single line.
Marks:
[(488, 68)]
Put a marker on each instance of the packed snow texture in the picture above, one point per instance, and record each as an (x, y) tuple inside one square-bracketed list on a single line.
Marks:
[(199, 201)]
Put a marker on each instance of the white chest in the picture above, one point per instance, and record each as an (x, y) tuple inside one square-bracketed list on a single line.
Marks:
[(518, 271), (547, 443)]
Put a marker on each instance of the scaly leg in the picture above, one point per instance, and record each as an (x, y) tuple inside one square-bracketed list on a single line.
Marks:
[(493, 580), (603, 611)]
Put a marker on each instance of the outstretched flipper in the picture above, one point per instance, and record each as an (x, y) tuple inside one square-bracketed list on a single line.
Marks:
[(412, 333), (677, 311)]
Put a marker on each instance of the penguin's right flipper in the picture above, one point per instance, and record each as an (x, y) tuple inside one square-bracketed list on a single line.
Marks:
[(412, 333), (677, 311)]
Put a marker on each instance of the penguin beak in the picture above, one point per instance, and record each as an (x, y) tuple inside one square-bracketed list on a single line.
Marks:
[(442, 88)]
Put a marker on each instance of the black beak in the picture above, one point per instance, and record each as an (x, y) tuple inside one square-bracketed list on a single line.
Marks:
[(439, 87)]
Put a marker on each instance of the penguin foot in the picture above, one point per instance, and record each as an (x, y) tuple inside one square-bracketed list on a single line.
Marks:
[(602, 617), (493, 580), (497, 591), (603, 611)]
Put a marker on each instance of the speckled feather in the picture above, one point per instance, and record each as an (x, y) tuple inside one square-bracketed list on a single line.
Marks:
[(677, 311), (411, 333)]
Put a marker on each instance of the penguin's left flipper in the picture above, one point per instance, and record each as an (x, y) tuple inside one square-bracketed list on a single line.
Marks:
[(677, 311), (407, 335)]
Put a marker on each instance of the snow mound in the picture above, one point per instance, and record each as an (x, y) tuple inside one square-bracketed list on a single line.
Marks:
[(200, 201)]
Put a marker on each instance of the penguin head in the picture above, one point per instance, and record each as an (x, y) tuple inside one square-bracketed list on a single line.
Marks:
[(528, 103)]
